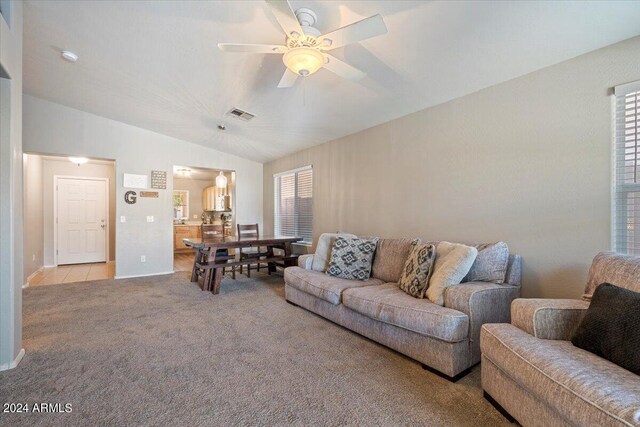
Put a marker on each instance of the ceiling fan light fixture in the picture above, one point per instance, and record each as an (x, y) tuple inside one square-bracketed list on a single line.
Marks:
[(303, 61)]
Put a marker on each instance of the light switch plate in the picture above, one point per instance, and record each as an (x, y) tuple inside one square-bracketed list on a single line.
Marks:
[(150, 218), (143, 258), (123, 219)]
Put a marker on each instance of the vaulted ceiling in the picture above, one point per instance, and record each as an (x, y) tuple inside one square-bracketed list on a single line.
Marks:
[(156, 65)]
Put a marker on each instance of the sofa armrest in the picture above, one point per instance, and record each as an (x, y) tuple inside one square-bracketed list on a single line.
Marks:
[(484, 303), (549, 319), (305, 261)]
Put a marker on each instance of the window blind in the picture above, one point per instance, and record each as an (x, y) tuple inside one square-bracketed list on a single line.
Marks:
[(293, 202), (626, 210)]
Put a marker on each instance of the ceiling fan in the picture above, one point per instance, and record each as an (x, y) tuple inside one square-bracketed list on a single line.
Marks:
[(306, 49)]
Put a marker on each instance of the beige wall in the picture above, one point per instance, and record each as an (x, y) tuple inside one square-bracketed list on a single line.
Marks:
[(527, 162), (33, 211), (63, 167)]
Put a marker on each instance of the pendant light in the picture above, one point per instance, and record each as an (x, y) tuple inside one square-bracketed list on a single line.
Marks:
[(221, 181)]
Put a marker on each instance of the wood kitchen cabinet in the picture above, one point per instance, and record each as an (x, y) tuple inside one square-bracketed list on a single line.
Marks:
[(183, 232)]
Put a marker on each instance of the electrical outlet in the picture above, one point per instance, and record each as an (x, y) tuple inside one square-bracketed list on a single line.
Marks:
[(150, 218), (195, 216), (143, 258), (123, 219)]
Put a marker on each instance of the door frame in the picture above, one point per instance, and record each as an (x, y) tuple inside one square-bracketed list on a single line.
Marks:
[(55, 212)]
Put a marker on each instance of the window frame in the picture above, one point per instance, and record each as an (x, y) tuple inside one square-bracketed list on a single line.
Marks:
[(619, 189), (276, 201)]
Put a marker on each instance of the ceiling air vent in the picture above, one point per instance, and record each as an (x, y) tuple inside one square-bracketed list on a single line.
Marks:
[(242, 115)]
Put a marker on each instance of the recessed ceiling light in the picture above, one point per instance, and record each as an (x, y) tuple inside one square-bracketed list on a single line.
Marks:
[(78, 160), (69, 56), (222, 127)]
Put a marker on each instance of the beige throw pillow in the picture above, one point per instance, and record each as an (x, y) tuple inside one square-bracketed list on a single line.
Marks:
[(322, 255), (417, 269), (453, 261)]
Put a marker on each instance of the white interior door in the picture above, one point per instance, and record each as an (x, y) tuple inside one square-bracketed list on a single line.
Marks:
[(81, 220)]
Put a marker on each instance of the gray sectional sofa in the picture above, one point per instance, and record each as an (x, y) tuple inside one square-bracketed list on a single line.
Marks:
[(531, 369), (444, 338)]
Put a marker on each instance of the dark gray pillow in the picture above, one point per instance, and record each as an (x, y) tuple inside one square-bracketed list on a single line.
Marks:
[(611, 327), (490, 264), (351, 257)]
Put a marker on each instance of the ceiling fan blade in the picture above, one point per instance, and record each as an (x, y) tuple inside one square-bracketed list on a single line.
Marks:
[(252, 48), (281, 9), (356, 32), (288, 79), (343, 69)]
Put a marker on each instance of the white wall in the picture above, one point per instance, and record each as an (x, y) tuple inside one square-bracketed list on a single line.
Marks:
[(527, 161), (11, 271), (33, 211), (63, 167), (51, 128)]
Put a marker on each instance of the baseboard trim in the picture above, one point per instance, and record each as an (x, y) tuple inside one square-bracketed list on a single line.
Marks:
[(133, 276), (31, 276), (14, 363)]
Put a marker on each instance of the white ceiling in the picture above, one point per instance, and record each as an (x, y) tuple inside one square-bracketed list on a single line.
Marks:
[(156, 65)]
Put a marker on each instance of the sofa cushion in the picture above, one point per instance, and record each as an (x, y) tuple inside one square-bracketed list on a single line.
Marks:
[(417, 269), (611, 327), (490, 264), (609, 267), (351, 257), (391, 255), (389, 304), (320, 285), (323, 250), (453, 261), (584, 388)]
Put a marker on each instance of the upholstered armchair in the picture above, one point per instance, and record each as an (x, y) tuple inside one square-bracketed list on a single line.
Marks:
[(532, 372)]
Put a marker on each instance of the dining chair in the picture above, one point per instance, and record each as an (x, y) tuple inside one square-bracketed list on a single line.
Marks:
[(204, 268), (250, 230)]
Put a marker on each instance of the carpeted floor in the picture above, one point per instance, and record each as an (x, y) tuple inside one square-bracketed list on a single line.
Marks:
[(158, 351)]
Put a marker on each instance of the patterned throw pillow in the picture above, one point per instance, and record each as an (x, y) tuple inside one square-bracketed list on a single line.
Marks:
[(417, 269), (351, 258), (323, 250)]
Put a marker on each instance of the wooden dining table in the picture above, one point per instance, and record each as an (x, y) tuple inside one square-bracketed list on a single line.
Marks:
[(211, 244)]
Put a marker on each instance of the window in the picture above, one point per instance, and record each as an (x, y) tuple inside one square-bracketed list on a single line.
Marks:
[(626, 209), (293, 203), (180, 205)]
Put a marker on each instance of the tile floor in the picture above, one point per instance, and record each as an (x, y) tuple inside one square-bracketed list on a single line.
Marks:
[(73, 273)]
